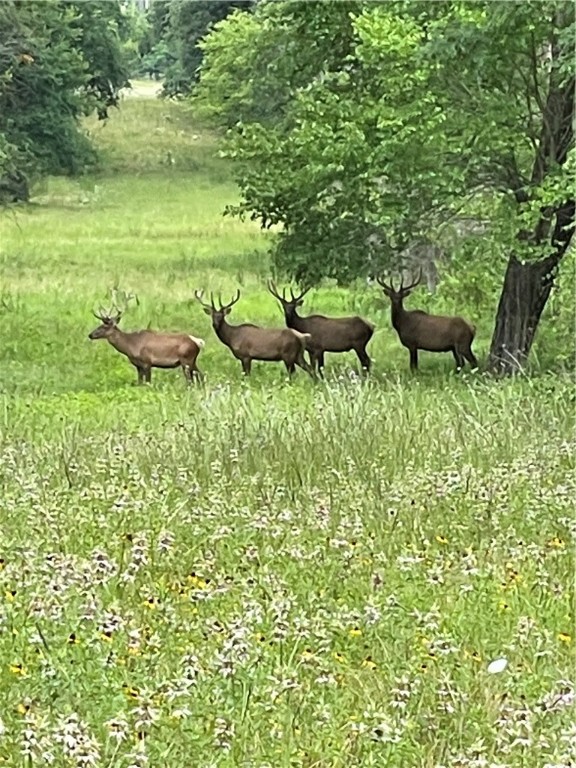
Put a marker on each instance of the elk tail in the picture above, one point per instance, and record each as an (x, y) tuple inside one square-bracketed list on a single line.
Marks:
[(199, 342)]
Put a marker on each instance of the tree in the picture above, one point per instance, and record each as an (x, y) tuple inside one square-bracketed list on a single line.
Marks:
[(361, 128), (58, 62), (179, 25)]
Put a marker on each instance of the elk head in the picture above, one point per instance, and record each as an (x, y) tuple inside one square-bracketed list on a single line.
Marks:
[(108, 323), (217, 313), (397, 295), (288, 305)]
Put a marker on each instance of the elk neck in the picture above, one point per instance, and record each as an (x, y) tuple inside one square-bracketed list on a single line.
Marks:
[(120, 340), (294, 321), (398, 313), (225, 332)]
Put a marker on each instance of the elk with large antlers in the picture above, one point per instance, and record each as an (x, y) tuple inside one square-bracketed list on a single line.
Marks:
[(150, 349), (328, 334), (417, 329), (249, 342)]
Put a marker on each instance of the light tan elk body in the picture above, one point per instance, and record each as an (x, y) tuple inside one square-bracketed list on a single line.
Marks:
[(249, 342), (417, 329), (150, 349), (328, 334)]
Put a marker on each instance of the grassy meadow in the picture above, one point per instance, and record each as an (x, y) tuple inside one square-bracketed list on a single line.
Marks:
[(254, 573)]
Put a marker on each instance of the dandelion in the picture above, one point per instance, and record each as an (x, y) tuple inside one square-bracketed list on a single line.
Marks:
[(355, 632), (557, 543), (497, 666), (18, 669), (565, 638), (503, 606), (441, 539), (339, 657), (10, 595), (368, 663)]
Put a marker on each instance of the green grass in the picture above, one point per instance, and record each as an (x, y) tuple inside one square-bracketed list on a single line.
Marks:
[(256, 573)]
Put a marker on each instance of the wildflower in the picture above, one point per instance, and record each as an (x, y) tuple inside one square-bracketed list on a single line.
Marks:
[(22, 708), (307, 654), (339, 657), (2, 563), (72, 639), (503, 606), (106, 637), (150, 603), (131, 693), (18, 669), (557, 543), (368, 663), (10, 594), (564, 637), (497, 666), (355, 632), (441, 539)]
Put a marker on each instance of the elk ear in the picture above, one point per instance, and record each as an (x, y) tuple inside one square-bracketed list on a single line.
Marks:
[(227, 311), (207, 310), (299, 302)]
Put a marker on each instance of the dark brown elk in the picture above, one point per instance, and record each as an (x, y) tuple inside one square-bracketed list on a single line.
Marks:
[(249, 342), (150, 349), (329, 334), (417, 329)]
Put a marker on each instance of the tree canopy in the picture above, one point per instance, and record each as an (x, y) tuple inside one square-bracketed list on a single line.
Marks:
[(361, 128), (58, 62)]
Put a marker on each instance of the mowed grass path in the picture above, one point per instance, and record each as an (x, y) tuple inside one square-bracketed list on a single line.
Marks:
[(253, 573)]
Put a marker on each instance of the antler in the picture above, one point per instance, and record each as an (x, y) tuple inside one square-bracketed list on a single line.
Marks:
[(412, 284), (198, 296), (274, 291), (386, 286), (231, 304), (297, 298)]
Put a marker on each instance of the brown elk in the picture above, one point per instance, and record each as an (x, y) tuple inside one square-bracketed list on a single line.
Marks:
[(249, 342), (328, 334), (417, 329), (150, 349)]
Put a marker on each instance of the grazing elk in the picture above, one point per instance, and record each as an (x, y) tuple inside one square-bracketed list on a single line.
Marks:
[(329, 334), (249, 342), (150, 349), (434, 333)]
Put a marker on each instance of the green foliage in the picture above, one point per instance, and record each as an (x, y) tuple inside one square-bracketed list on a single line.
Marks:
[(58, 62), (379, 121)]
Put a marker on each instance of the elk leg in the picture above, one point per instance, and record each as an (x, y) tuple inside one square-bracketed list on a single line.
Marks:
[(197, 373), (291, 368), (471, 357), (320, 364), (365, 361), (246, 365), (140, 375), (301, 363), (459, 359), (148, 374), (414, 359)]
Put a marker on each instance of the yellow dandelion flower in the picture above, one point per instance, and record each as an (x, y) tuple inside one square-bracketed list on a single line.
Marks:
[(339, 657), (22, 708), (355, 632), (503, 606), (476, 656), (564, 637), (131, 693), (424, 667), (17, 669), (134, 650), (307, 654), (106, 637), (150, 603), (368, 663), (441, 539), (72, 639), (10, 595), (557, 543)]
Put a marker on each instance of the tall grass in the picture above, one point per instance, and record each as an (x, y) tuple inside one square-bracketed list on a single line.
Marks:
[(257, 573)]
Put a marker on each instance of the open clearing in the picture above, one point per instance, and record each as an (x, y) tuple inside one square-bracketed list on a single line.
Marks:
[(253, 573)]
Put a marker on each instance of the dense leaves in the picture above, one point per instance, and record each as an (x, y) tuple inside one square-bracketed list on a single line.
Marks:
[(58, 62), (362, 128)]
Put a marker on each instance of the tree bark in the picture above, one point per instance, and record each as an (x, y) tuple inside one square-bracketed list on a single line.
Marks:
[(524, 295)]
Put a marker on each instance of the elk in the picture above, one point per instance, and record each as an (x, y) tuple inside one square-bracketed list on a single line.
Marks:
[(417, 329), (249, 342), (150, 349), (329, 334)]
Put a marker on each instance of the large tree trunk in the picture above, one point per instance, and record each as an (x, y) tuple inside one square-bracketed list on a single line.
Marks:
[(524, 295)]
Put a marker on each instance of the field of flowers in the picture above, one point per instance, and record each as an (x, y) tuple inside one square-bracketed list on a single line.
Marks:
[(254, 574)]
